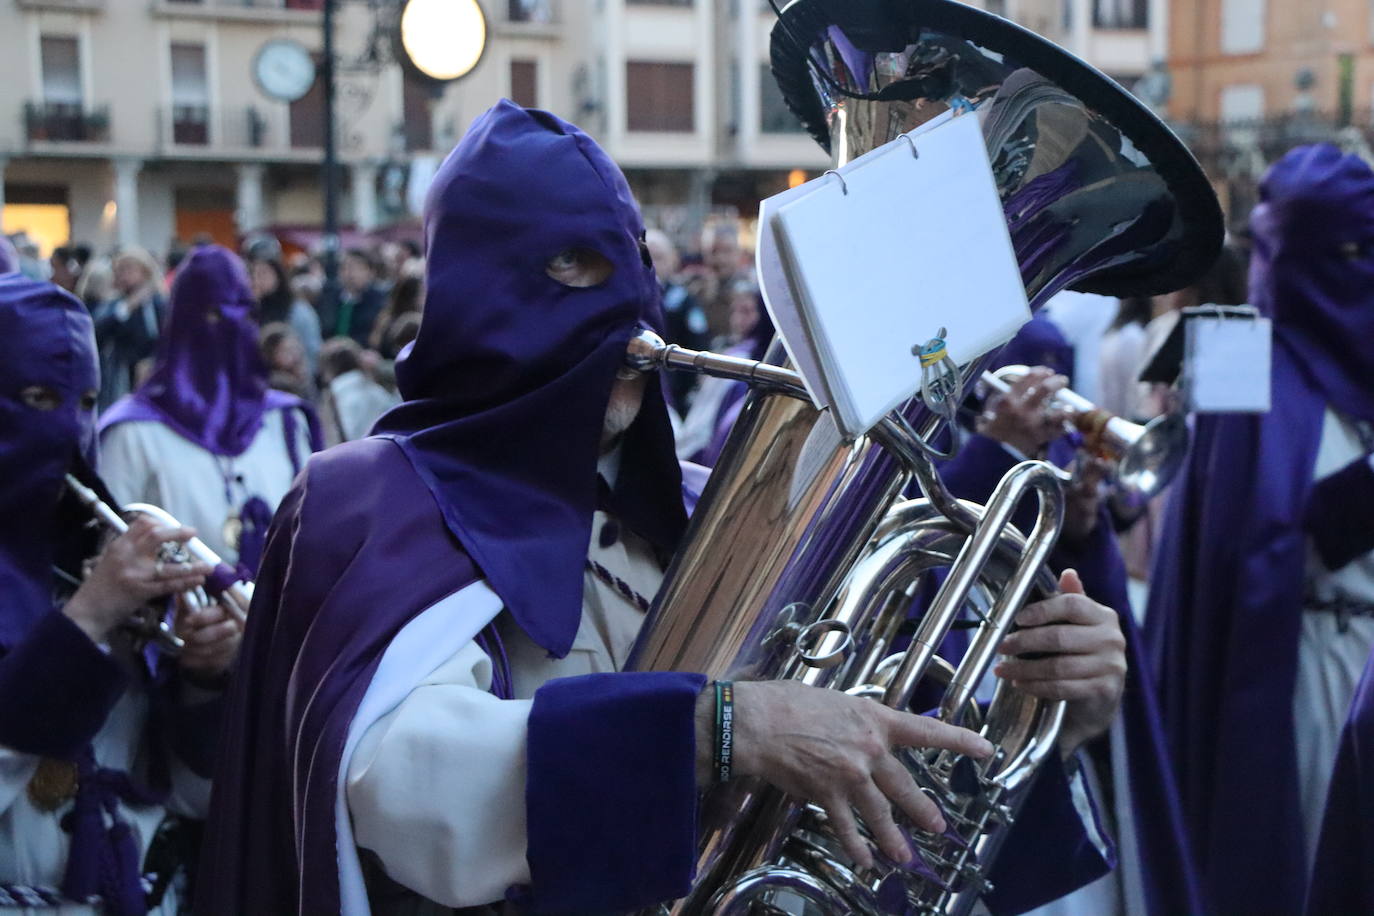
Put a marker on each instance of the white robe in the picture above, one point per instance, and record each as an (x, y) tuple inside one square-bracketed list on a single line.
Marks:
[(33, 845), (147, 461), (1329, 661), (455, 834)]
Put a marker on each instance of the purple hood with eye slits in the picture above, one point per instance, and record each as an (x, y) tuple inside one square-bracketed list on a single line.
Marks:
[(507, 384), (46, 339)]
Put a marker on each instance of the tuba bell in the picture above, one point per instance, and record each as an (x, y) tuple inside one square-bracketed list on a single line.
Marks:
[(1144, 457), (802, 559)]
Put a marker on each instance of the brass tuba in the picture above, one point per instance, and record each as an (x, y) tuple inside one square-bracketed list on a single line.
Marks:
[(802, 559), (224, 587)]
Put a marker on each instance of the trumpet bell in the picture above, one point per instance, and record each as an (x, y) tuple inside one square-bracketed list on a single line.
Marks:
[(1149, 464)]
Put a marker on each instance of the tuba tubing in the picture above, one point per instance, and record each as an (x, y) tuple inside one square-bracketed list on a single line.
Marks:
[(755, 840)]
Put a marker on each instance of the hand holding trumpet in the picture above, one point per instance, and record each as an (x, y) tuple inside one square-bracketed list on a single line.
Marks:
[(129, 573)]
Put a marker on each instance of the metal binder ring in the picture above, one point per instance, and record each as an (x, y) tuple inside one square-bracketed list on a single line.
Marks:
[(915, 153), (843, 187)]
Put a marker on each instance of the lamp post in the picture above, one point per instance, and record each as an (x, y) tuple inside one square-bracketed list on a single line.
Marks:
[(330, 293), (435, 41)]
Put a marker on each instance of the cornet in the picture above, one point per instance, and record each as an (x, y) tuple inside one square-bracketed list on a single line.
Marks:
[(224, 586), (1145, 458)]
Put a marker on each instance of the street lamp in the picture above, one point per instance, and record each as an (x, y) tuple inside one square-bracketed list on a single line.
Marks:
[(435, 42), (440, 40)]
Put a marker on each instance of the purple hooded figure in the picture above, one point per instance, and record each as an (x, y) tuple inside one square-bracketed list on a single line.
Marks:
[(428, 706), (477, 493), (88, 718), (203, 436), (1262, 603)]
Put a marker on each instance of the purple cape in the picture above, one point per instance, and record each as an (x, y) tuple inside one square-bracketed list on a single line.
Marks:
[(1227, 586), (507, 384), (1225, 608), (209, 383), (378, 554), (1343, 880), (488, 471), (1167, 868)]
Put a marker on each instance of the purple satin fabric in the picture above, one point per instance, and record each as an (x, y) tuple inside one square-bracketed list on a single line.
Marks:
[(46, 339), (1312, 269), (209, 383), (1343, 880), (506, 385), (357, 549), (1222, 629)]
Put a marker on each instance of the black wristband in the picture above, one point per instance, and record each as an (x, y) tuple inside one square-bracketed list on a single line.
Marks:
[(725, 730)]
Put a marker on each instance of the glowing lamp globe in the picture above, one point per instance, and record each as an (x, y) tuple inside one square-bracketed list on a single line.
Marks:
[(441, 40)]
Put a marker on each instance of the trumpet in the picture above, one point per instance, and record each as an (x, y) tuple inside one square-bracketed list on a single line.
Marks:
[(224, 586), (1145, 457)]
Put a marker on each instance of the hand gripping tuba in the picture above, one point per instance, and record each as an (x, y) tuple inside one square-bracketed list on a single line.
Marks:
[(800, 561)]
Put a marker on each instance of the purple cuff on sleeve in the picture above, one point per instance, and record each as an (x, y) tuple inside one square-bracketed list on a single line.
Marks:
[(56, 689), (1050, 850), (1339, 514), (611, 793)]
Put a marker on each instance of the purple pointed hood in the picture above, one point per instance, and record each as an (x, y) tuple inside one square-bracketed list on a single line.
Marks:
[(1313, 269), (210, 382), (1039, 343), (46, 341), (506, 385)]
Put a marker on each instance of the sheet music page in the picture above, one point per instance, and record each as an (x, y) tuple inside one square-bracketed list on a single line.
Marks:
[(907, 244), (1227, 364)]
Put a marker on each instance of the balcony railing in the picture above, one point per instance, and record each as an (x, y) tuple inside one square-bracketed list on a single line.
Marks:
[(190, 125), (537, 11), (206, 130), (250, 4), (66, 122)]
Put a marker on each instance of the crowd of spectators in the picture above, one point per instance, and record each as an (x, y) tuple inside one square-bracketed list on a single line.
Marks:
[(338, 351)]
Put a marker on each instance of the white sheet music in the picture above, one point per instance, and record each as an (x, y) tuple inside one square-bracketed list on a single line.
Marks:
[(1226, 364), (880, 258)]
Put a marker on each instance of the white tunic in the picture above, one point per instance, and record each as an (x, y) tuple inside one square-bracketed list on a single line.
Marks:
[(147, 461), (456, 834), (1329, 661), (33, 845)]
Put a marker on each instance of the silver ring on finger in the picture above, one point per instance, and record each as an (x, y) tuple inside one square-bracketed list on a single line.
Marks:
[(157, 568)]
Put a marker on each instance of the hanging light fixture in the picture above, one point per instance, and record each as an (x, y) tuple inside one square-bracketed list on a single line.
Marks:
[(440, 40)]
